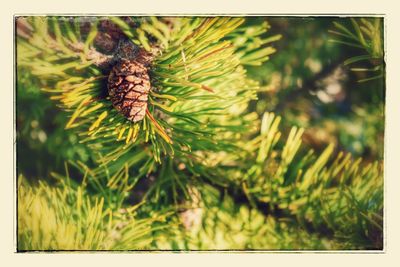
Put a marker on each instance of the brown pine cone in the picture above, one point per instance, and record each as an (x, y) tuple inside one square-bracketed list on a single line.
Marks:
[(128, 87)]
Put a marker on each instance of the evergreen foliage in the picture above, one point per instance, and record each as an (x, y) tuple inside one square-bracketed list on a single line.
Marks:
[(367, 34), (201, 171)]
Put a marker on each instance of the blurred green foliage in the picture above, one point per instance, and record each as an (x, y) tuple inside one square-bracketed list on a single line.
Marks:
[(311, 84), (280, 172), (43, 144)]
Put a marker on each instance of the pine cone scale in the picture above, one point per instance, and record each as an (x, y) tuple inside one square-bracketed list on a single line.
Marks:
[(128, 88)]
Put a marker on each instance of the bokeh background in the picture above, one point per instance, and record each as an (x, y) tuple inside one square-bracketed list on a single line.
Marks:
[(306, 82), (325, 75)]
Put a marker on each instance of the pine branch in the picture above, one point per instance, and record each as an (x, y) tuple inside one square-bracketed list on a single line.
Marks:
[(343, 194), (67, 218), (153, 173), (365, 34), (186, 76)]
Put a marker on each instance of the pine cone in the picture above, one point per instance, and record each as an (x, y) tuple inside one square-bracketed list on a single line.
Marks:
[(128, 87)]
